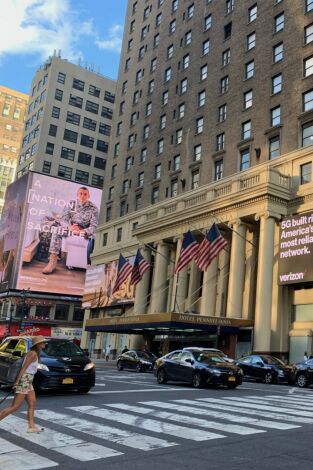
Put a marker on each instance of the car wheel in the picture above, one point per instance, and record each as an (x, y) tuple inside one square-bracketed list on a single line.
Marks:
[(139, 367), (232, 386), (161, 376), (196, 380), (268, 379), (119, 365), (302, 381), (84, 390)]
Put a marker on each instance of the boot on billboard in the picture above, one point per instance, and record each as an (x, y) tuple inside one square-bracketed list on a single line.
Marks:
[(53, 260)]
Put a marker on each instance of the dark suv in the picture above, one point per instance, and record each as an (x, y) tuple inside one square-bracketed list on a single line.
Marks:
[(302, 373), (63, 365)]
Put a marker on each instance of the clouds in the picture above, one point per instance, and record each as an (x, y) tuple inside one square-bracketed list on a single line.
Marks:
[(114, 41), (40, 26)]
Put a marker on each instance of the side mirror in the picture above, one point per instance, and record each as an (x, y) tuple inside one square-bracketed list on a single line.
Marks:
[(260, 364), (189, 360)]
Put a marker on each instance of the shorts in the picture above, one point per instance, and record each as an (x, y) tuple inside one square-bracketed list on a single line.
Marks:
[(25, 384)]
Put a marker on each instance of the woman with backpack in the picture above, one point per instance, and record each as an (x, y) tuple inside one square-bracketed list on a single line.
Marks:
[(23, 386)]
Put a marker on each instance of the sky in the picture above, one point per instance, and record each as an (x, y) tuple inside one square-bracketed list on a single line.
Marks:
[(88, 32)]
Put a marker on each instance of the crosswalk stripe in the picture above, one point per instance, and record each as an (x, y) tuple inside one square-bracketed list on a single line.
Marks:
[(58, 442), (148, 424), (231, 428), (255, 405), (109, 433), (285, 402), (292, 399), (13, 457), (216, 405)]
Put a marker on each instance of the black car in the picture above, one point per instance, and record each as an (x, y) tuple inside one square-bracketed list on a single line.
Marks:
[(302, 373), (63, 365), (264, 367), (198, 367), (135, 359)]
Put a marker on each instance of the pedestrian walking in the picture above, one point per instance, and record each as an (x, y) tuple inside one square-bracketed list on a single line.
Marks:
[(305, 357), (23, 386), (107, 352)]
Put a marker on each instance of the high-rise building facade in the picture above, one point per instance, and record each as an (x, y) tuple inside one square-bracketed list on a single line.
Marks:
[(213, 123), (13, 106), (68, 123)]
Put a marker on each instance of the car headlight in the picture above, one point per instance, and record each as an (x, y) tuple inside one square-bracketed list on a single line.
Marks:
[(89, 366), (281, 373), (216, 371), (43, 367), (147, 363)]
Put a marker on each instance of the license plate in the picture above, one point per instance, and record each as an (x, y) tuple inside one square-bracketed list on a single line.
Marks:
[(68, 380), (231, 379)]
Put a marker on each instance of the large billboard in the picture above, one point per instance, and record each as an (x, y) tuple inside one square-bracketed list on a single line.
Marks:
[(99, 284), (57, 237), (296, 249)]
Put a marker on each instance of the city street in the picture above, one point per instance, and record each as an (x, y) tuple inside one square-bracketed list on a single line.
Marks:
[(129, 422)]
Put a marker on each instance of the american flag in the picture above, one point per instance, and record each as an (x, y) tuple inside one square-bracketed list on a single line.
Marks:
[(124, 269), (210, 247), (188, 251), (139, 268)]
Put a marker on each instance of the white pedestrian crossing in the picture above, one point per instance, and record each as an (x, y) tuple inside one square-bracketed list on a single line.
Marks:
[(145, 426)]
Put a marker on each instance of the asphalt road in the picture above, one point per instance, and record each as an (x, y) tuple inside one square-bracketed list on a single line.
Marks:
[(129, 422)]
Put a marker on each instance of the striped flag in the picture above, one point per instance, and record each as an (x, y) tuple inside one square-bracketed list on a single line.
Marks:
[(139, 268), (124, 270), (188, 251), (210, 247)]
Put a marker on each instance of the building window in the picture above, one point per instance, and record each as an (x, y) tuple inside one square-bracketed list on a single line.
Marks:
[(308, 33), (246, 130), (308, 66), (181, 110), (170, 51), (165, 98), (87, 141), (104, 129), (203, 72), (201, 98), (172, 27), (188, 38), (144, 32), (279, 21), (119, 234), (195, 179), (97, 180), (94, 91), (107, 112), (186, 61), (167, 74), (244, 159), (226, 57), (153, 65), (229, 6), (113, 171), (141, 52), (218, 170), (73, 118), (108, 214), (82, 176), (251, 38), (278, 52), (176, 163), (160, 146), (143, 155), (92, 107), (178, 136), (252, 13), (102, 146), (157, 171), (222, 112), (124, 87), (111, 193), (146, 131), (108, 96), (207, 22), (138, 201), (104, 239), (308, 5), (205, 47), (148, 108), (155, 195), (61, 77), (249, 69), (136, 97), (174, 5), (141, 179), (150, 87), (131, 141), (133, 120), (199, 125), (190, 11), (46, 167), (197, 151), (158, 19), (227, 30), (306, 173), (224, 84), (183, 86), (274, 147), (65, 172), (128, 163), (220, 142), (277, 82), (125, 187), (84, 158), (156, 40), (78, 84), (307, 100), (275, 116), (76, 101), (49, 148), (58, 95), (248, 99), (68, 154), (53, 130), (116, 150), (174, 188)]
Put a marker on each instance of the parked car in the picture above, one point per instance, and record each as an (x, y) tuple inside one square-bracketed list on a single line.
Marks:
[(217, 351), (302, 373), (199, 367), (135, 359), (264, 367), (63, 365)]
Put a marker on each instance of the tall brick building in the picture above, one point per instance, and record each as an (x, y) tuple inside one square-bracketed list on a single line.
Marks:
[(213, 123)]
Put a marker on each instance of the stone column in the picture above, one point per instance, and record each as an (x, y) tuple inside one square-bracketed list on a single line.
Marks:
[(236, 271), (179, 284), (209, 287), (263, 301), (142, 288), (222, 282), (250, 276), (194, 287), (159, 281), (172, 279), (85, 334)]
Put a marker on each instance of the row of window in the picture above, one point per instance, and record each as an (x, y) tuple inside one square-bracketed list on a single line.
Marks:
[(77, 101), (92, 89), (6, 110), (83, 158), (71, 136), (80, 176), (39, 85), (87, 123)]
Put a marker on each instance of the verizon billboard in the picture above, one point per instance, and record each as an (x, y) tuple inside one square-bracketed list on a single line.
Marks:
[(296, 249)]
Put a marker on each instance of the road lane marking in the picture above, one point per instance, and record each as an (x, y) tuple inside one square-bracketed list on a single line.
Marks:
[(287, 402), (13, 457), (145, 390), (58, 442), (108, 433), (147, 424)]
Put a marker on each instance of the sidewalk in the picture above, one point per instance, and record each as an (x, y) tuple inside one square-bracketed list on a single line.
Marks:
[(103, 363)]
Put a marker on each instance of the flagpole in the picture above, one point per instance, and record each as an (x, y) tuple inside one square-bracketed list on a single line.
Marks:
[(175, 296)]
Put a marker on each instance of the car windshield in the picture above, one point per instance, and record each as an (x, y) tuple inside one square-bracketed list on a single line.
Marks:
[(208, 357), (61, 349), (272, 360), (144, 355)]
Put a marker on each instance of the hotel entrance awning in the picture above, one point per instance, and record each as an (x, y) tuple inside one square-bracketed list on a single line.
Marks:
[(168, 323)]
